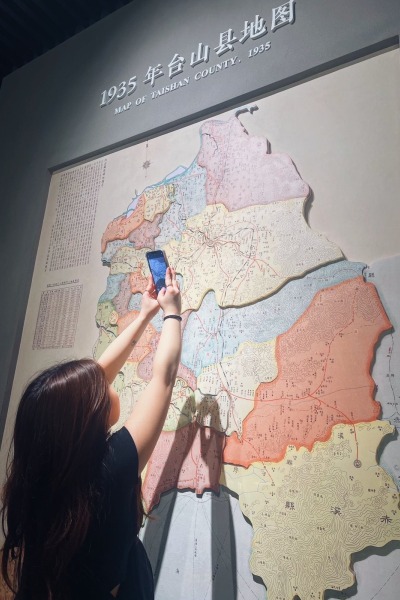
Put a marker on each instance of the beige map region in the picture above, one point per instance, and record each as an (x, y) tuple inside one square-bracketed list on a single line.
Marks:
[(312, 510), (129, 260), (158, 200), (247, 254), (225, 390)]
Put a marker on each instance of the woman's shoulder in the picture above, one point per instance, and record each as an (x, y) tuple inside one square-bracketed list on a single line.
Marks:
[(121, 457)]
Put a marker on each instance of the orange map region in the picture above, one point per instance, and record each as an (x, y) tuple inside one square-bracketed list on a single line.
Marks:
[(324, 363), (189, 458), (138, 281), (122, 226), (144, 346), (240, 170)]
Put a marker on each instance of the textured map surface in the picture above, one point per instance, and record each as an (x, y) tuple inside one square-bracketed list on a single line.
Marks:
[(277, 462)]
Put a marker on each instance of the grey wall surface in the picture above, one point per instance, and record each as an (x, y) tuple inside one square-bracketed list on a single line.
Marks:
[(50, 112)]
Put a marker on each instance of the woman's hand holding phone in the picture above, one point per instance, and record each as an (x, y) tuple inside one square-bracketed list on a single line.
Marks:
[(169, 297), (150, 305)]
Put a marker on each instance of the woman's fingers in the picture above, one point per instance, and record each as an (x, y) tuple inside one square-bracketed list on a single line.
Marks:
[(168, 277), (174, 281), (151, 288), (171, 280)]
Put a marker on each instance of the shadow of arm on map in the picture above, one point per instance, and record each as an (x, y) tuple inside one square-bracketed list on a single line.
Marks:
[(221, 526), (307, 206), (164, 523), (384, 442)]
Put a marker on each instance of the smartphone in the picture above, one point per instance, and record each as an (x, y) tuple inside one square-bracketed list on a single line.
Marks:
[(158, 265)]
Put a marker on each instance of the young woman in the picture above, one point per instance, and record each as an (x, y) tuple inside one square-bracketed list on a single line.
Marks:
[(71, 503)]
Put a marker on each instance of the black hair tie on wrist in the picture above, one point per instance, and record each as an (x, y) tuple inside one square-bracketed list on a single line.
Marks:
[(177, 317)]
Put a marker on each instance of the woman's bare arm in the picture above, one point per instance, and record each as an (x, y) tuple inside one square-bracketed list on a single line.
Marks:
[(147, 418), (114, 357)]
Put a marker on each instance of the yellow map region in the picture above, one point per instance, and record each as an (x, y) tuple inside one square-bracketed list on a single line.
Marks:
[(311, 511), (225, 390), (247, 254), (158, 200), (128, 260)]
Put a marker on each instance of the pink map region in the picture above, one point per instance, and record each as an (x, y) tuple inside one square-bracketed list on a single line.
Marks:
[(189, 458), (145, 234), (324, 363), (241, 172)]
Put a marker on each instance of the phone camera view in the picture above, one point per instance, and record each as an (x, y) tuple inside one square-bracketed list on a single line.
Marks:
[(158, 269)]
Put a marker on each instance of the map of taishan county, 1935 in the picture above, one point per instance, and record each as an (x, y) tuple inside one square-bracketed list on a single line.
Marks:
[(274, 402)]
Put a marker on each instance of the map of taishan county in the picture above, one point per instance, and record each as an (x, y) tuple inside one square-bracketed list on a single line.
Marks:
[(274, 401)]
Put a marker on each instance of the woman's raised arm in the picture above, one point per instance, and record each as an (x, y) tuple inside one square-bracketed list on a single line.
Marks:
[(114, 357), (147, 418)]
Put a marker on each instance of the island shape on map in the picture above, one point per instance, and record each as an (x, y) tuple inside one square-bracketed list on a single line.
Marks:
[(323, 379), (313, 510)]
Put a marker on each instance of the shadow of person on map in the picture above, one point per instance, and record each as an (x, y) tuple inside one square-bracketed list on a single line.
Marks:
[(157, 527), (223, 549), (223, 541), (223, 575)]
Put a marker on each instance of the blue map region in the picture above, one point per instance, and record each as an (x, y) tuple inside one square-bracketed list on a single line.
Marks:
[(135, 302), (113, 287), (132, 206), (212, 333), (189, 200), (175, 173)]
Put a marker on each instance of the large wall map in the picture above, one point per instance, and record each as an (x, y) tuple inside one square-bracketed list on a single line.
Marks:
[(274, 427)]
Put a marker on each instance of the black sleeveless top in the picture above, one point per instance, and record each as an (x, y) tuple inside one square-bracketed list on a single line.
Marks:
[(112, 553)]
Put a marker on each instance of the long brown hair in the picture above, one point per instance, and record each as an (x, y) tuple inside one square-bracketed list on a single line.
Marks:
[(59, 442)]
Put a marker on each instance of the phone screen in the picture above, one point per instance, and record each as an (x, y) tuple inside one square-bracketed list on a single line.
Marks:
[(158, 267)]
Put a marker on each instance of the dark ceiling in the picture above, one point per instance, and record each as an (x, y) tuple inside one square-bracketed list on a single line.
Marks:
[(29, 28)]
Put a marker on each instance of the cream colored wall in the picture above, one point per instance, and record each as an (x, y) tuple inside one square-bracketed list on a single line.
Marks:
[(342, 130)]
